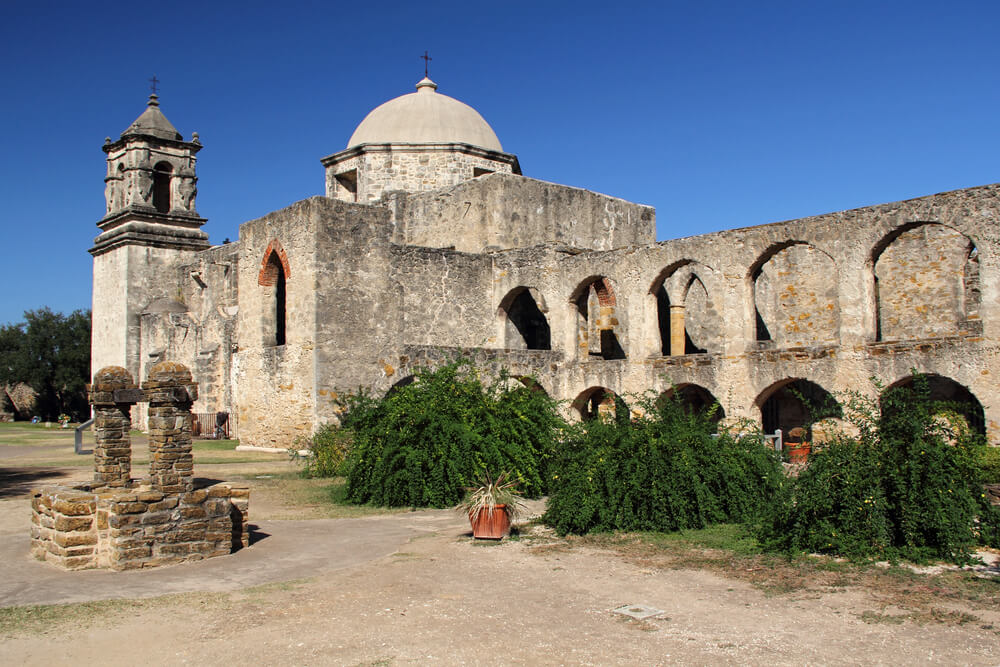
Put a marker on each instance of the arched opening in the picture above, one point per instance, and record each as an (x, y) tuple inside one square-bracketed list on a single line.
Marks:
[(695, 399), (525, 325), (926, 283), (596, 402), (161, 186), (406, 381), (794, 404), (685, 327), (953, 396), (598, 320), (274, 274), (531, 384), (794, 289)]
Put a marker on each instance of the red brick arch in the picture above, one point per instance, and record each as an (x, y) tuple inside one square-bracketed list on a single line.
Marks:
[(268, 271)]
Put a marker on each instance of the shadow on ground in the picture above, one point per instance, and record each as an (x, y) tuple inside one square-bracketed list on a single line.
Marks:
[(18, 481)]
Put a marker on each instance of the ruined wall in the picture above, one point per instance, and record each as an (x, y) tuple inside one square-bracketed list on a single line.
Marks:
[(503, 211), (274, 384), (921, 278), (795, 293), (197, 327), (358, 303)]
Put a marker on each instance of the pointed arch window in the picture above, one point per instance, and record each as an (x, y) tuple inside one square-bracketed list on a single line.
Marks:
[(274, 275)]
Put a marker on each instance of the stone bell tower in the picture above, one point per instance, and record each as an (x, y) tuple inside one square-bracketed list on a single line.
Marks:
[(149, 228)]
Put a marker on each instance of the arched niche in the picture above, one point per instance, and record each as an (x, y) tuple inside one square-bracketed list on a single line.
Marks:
[(952, 395), (794, 290), (162, 173), (926, 283), (695, 399), (595, 402), (525, 324), (795, 403), (600, 320), (687, 322), (273, 277)]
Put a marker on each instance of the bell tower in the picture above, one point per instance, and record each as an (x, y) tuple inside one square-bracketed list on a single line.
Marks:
[(150, 227)]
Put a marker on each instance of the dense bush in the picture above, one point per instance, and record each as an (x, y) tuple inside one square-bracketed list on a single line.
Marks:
[(908, 486), (327, 452), (660, 471), (424, 443)]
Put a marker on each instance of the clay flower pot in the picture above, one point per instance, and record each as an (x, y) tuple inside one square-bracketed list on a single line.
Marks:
[(798, 452), (487, 525)]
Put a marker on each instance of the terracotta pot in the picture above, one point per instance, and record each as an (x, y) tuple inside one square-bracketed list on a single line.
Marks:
[(798, 452), (488, 525)]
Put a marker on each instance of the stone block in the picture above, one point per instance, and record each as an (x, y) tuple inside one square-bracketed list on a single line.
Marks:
[(149, 495), (165, 504), (75, 507), (194, 512), (75, 539), (194, 497), (154, 518), (70, 523), (129, 507)]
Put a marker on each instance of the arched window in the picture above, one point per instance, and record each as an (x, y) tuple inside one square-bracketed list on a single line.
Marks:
[(274, 274), (525, 325), (161, 186), (599, 322)]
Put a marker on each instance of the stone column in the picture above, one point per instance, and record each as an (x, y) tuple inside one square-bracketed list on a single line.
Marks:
[(170, 392), (113, 394), (677, 346)]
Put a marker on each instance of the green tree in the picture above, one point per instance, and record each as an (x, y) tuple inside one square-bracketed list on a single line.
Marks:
[(51, 353)]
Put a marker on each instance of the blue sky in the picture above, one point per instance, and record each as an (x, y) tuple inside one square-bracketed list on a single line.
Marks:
[(719, 114)]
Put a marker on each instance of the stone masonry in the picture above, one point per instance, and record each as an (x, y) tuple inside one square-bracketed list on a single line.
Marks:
[(416, 255), (122, 524)]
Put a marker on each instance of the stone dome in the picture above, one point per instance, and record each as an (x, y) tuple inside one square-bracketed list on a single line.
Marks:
[(425, 117)]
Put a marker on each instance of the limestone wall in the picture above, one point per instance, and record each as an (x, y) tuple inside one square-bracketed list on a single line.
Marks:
[(503, 211), (366, 173), (818, 303)]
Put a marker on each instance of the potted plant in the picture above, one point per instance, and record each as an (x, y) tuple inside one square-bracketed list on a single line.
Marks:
[(492, 506), (798, 447)]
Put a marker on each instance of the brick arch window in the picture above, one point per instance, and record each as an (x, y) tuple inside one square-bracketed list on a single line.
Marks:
[(599, 321), (274, 274), (161, 186)]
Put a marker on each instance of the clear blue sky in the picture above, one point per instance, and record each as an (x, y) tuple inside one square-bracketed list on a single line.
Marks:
[(719, 114)]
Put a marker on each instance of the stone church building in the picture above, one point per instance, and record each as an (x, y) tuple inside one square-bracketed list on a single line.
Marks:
[(429, 243)]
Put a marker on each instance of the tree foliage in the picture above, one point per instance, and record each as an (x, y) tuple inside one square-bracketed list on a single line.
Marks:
[(422, 444), (51, 353)]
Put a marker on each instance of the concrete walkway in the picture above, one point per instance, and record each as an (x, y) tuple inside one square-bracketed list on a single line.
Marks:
[(281, 551)]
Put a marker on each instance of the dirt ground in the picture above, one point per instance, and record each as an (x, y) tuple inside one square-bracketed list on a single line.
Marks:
[(438, 597)]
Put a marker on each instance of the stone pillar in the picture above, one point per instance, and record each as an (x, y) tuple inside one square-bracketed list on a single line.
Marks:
[(113, 394), (677, 346), (170, 392)]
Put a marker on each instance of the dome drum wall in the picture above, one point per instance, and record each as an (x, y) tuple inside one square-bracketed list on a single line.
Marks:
[(363, 174)]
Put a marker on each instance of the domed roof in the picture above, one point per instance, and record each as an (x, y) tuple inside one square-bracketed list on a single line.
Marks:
[(425, 117), (152, 122)]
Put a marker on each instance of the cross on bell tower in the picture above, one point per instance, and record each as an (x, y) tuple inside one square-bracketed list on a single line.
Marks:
[(427, 60)]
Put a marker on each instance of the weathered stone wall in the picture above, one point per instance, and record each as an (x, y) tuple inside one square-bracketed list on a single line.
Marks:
[(274, 384), (197, 327), (795, 293), (379, 169), (503, 211), (921, 283)]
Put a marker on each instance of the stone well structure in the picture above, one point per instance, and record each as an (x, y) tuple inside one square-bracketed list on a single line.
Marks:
[(122, 523)]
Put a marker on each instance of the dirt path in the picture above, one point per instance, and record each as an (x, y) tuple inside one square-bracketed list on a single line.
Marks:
[(438, 597)]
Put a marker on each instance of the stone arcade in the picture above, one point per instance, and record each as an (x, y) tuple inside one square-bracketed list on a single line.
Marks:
[(430, 242)]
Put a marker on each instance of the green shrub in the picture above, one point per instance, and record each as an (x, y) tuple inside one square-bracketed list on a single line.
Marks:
[(424, 443), (328, 449), (662, 471), (989, 463), (908, 486)]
